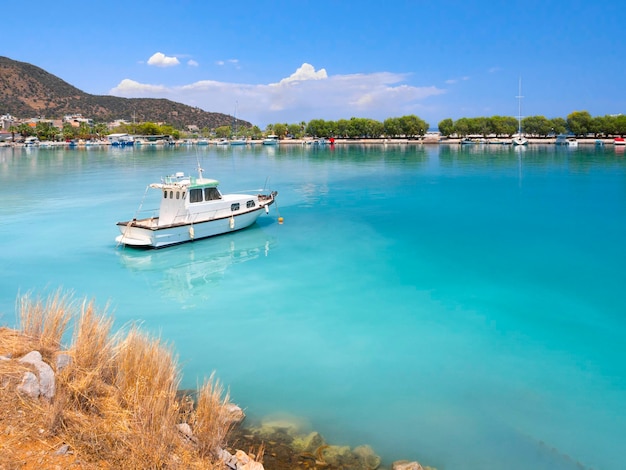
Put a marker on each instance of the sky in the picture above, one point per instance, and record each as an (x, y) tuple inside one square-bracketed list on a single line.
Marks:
[(276, 61)]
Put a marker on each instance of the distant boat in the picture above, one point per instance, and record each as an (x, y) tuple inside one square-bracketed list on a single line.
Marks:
[(565, 139), (619, 141), (271, 140), (519, 139), (238, 141)]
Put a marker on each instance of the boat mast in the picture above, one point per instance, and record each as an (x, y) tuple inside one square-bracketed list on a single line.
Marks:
[(519, 111)]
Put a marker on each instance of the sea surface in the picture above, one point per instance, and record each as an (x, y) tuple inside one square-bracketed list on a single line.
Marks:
[(460, 306)]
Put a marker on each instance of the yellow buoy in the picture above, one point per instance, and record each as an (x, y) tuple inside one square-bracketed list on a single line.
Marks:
[(232, 223), (280, 220), (191, 232)]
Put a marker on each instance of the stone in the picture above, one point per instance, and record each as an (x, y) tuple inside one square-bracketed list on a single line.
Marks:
[(367, 457), (406, 465), (63, 450), (62, 361), (45, 372), (309, 443), (235, 413), (29, 385)]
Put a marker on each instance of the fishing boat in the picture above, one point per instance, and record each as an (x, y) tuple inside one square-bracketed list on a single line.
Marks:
[(192, 208), (519, 139)]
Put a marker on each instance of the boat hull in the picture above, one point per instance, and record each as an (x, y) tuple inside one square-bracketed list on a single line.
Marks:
[(159, 237)]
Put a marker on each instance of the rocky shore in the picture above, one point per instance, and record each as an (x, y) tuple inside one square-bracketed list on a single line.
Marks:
[(111, 401)]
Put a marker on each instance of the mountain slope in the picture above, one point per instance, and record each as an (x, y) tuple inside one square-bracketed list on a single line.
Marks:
[(29, 91)]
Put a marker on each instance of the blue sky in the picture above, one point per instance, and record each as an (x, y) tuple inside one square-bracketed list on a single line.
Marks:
[(295, 61)]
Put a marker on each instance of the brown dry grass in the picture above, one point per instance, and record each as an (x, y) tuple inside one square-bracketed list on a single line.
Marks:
[(116, 403)]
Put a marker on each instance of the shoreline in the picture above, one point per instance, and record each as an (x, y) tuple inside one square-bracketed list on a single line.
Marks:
[(310, 142)]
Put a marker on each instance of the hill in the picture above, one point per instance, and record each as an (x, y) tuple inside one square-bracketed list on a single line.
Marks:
[(29, 91)]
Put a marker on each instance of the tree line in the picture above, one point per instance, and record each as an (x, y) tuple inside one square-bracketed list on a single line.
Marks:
[(579, 123)]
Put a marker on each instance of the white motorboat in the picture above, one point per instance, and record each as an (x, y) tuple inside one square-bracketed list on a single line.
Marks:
[(191, 209), (271, 140)]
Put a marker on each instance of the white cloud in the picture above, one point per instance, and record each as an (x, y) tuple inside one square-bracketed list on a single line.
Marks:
[(161, 60), (131, 88), (304, 95), (452, 81), (192, 63), (305, 72)]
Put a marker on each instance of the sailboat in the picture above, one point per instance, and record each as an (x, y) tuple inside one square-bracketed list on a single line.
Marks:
[(519, 139), (236, 140)]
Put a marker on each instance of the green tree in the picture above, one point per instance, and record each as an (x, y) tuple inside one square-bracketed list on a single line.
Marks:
[(392, 127), (25, 130), (537, 125), (579, 122), (280, 130), (446, 127), (223, 132), (559, 125), (12, 130), (620, 124), (412, 126)]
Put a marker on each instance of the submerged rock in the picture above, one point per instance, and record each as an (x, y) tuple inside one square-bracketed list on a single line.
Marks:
[(406, 465)]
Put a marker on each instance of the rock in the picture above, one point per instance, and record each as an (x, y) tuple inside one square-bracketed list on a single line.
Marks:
[(235, 413), (367, 457), (309, 443), (29, 385), (63, 450), (45, 372), (338, 456), (406, 465), (62, 361), (244, 462), (185, 430)]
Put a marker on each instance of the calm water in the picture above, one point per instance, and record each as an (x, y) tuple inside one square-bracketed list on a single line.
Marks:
[(459, 306)]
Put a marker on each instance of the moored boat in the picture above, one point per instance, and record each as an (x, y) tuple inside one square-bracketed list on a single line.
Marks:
[(191, 209), (519, 139), (619, 141), (271, 140)]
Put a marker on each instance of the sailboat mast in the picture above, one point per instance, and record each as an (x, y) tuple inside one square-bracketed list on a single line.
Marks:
[(519, 110)]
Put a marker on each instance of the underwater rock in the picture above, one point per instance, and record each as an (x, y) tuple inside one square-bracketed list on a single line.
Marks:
[(309, 443), (406, 465)]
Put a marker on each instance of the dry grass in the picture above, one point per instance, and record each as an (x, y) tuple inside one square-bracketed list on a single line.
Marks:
[(211, 421), (116, 401)]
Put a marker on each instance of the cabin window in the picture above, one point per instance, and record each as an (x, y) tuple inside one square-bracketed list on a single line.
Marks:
[(177, 194), (171, 194), (211, 194), (234, 207), (250, 204), (164, 194), (195, 195)]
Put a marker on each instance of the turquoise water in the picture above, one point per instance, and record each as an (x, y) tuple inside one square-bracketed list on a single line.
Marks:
[(459, 306)]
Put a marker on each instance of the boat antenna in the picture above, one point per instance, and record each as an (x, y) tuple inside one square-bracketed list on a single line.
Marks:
[(200, 170)]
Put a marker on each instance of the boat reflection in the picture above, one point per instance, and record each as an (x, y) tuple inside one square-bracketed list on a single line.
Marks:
[(189, 272)]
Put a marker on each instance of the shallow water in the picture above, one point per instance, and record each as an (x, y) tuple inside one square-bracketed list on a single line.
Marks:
[(458, 306)]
